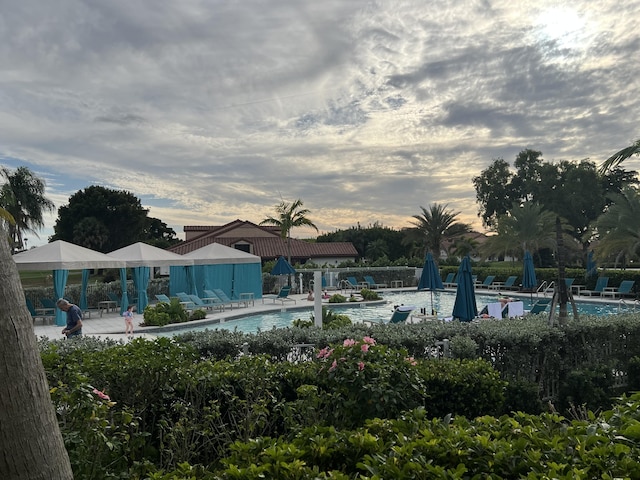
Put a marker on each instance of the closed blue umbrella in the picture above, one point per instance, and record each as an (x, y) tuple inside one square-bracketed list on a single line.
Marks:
[(430, 278), (529, 280), (282, 267), (465, 308)]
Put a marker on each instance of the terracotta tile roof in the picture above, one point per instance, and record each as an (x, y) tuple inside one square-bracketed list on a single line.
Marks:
[(266, 246)]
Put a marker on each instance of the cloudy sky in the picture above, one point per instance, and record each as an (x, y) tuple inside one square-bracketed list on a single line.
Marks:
[(215, 110)]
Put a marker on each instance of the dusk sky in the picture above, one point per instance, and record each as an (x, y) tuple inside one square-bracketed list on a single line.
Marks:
[(211, 111)]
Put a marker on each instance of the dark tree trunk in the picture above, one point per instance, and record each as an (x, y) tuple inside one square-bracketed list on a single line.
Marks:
[(31, 446)]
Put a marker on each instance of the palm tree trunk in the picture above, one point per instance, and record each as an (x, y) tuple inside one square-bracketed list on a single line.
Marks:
[(30, 438)]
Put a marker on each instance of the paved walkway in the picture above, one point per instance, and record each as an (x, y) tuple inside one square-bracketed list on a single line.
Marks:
[(111, 325)]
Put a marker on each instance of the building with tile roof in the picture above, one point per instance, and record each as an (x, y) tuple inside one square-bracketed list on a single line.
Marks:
[(266, 242)]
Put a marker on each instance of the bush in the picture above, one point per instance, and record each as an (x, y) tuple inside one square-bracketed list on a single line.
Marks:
[(337, 298), (163, 313), (368, 294)]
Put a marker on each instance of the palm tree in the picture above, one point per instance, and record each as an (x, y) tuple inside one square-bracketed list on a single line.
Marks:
[(617, 158), (434, 226), (289, 216), (26, 410), (22, 196), (619, 227), (524, 227)]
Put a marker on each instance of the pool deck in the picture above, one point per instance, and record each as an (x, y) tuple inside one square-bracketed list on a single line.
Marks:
[(111, 325)]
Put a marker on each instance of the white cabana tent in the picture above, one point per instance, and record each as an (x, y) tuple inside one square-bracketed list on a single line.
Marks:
[(61, 256), (218, 266), (141, 257)]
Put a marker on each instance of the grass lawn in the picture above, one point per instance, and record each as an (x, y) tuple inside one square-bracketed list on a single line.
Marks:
[(45, 278)]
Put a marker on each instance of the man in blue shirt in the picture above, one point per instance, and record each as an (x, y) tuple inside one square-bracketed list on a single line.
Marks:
[(74, 318)]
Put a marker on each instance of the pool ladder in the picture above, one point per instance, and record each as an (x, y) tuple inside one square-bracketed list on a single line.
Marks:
[(628, 305)]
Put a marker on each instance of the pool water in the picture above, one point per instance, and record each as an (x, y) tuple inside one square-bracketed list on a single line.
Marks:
[(442, 304)]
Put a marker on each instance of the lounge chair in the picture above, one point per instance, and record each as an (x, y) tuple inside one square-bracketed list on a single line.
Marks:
[(353, 284), (225, 298), (282, 296), (539, 306), (507, 285), (624, 289), (400, 314), (161, 297), (208, 304), (515, 309), (450, 281), (569, 282), (48, 304), (372, 283), (186, 301), (45, 314), (487, 281), (493, 310), (212, 297), (601, 284)]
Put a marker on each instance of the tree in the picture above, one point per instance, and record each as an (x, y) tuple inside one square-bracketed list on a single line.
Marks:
[(619, 227), (116, 217), (22, 196), (493, 191), (620, 156), (361, 237), (158, 234), (289, 216), (376, 249), (525, 227), (30, 438), (434, 226), (576, 191)]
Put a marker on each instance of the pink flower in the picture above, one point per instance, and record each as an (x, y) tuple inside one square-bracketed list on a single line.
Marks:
[(333, 366), (102, 395), (411, 360), (325, 352), (364, 347), (360, 366), (369, 340), (349, 343)]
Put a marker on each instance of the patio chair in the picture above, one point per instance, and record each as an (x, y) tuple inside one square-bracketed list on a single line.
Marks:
[(372, 283), (601, 284), (213, 297), (206, 304), (539, 306), (161, 297), (507, 285), (48, 304), (514, 309), (624, 289), (185, 301), (282, 296), (494, 310), (225, 298), (450, 280), (400, 314), (353, 284), (46, 314), (487, 281)]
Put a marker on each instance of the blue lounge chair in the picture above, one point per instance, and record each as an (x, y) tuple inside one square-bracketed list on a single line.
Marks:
[(186, 301), (450, 280), (353, 284), (400, 314), (46, 314), (487, 281), (282, 296), (212, 296), (601, 284), (540, 306), (624, 289), (161, 297), (225, 299), (372, 283), (569, 282)]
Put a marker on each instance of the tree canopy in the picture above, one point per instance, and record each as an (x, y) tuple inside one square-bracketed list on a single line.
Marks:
[(104, 219), (23, 204)]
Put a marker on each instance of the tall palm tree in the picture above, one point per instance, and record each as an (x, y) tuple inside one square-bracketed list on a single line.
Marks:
[(23, 197), (619, 227), (524, 227), (26, 410), (434, 226), (289, 216)]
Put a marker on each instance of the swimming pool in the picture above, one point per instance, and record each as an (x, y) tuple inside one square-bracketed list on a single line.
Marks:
[(442, 303)]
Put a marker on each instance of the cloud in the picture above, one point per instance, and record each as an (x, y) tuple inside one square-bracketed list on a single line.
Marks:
[(215, 110)]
